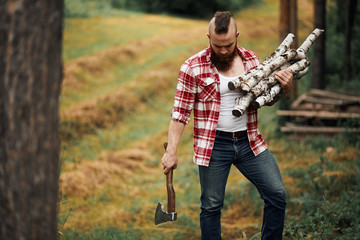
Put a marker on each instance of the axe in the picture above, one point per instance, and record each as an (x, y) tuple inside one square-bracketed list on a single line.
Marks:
[(162, 216)]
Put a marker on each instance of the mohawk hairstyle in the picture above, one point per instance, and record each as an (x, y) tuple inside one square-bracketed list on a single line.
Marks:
[(222, 21)]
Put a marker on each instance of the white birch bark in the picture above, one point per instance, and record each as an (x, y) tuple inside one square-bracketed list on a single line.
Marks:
[(266, 70), (301, 73), (268, 82), (234, 84), (265, 87), (267, 97), (241, 104), (283, 47), (299, 66), (260, 86), (305, 46)]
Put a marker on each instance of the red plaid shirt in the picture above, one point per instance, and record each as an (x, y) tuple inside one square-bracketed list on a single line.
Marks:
[(198, 89)]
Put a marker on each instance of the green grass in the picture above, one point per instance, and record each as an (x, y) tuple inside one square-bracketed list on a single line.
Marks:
[(328, 205), (87, 36)]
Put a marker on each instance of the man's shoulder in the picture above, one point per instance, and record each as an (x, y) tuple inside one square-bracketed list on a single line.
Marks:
[(201, 57), (250, 57), (246, 53)]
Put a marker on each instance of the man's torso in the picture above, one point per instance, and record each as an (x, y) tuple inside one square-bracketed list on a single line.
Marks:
[(198, 89)]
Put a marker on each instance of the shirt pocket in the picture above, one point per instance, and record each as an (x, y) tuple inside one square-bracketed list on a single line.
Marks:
[(206, 89)]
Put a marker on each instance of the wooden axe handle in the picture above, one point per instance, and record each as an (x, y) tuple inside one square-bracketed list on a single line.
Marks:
[(170, 188)]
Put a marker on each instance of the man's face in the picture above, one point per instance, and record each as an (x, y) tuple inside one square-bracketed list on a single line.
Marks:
[(223, 49)]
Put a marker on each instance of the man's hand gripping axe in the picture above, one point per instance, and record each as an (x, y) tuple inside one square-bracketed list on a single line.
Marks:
[(160, 215)]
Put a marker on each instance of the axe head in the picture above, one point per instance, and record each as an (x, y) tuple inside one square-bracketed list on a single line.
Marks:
[(162, 216)]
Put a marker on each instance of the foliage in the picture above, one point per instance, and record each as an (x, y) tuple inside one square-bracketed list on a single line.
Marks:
[(195, 9), (330, 199), (335, 48), (86, 8), (198, 9)]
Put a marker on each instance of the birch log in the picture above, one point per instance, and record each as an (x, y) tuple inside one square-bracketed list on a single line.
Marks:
[(283, 47), (302, 73), (259, 86), (305, 46), (267, 97), (265, 86), (270, 93), (268, 82), (242, 103), (266, 70)]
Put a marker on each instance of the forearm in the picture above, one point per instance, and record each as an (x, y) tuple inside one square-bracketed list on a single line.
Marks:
[(175, 131), (169, 159)]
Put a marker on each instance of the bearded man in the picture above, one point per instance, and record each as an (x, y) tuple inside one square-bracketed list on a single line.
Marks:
[(220, 139)]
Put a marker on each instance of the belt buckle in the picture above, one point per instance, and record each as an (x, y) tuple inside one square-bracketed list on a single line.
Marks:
[(233, 134)]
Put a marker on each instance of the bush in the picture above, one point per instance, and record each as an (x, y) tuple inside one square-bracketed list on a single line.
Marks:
[(329, 206)]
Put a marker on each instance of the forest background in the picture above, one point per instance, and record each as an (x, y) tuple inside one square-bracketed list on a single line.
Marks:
[(121, 60)]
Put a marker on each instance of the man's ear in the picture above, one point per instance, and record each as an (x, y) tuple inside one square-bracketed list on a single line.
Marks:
[(208, 35)]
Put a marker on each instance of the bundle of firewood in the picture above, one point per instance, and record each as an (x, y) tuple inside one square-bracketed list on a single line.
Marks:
[(259, 85)]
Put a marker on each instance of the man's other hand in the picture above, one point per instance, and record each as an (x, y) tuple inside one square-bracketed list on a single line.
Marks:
[(285, 78)]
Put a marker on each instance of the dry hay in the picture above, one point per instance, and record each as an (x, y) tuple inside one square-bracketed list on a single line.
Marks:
[(97, 64), (107, 110), (102, 111), (112, 169), (129, 159), (254, 28), (134, 52), (236, 221)]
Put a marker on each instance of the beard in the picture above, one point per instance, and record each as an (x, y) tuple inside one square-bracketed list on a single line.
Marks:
[(222, 63)]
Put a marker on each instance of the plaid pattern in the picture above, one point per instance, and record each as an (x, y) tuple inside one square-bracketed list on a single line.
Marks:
[(198, 89)]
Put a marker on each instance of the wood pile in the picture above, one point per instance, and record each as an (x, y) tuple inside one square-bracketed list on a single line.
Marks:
[(322, 112)]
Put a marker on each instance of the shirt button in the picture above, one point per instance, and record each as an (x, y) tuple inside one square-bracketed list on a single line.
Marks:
[(216, 114)]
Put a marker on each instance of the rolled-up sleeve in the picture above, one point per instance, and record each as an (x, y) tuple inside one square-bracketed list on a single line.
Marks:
[(185, 94)]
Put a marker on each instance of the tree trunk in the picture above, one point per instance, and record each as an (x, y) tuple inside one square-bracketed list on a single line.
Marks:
[(284, 19), (294, 21), (30, 80), (288, 24), (318, 78), (288, 20), (349, 22)]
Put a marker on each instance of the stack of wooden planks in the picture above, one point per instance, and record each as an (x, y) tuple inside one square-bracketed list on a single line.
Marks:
[(322, 112)]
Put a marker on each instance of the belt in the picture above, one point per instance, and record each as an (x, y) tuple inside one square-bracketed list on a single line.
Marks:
[(238, 134)]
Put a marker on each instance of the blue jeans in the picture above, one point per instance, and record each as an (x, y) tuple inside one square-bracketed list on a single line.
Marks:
[(261, 170)]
